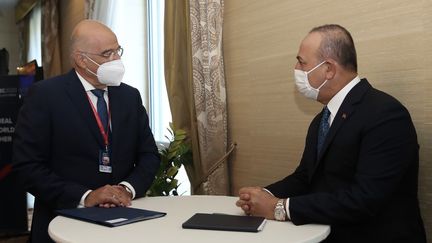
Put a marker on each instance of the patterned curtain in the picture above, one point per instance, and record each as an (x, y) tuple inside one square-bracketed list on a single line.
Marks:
[(194, 75), (206, 18), (89, 7), (23, 44), (100, 10), (51, 57)]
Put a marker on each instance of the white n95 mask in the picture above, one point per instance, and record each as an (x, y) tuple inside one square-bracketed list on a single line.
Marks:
[(303, 84), (109, 73)]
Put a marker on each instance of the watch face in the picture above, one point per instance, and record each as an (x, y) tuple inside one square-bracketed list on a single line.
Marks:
[(280, 214)]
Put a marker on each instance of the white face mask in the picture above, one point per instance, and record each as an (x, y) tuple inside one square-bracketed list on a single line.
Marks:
[(109, 73), (303, 84)]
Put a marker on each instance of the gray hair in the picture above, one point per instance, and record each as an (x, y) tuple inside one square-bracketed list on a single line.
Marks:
[(338, 44)]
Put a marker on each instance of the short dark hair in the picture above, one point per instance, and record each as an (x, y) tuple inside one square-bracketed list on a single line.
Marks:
[(338, 44)]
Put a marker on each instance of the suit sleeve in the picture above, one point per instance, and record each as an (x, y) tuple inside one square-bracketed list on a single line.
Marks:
[(297, 183), (148, 158), (388, 152), (293, 185), (32, 151)]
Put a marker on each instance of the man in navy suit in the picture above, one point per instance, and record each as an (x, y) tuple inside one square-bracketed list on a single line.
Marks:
[(359, 168), (83, 138)]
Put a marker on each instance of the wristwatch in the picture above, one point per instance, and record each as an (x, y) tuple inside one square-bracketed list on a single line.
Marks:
[(279, 211)]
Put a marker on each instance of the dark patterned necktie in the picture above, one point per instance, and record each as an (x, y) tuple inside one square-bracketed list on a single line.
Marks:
[(323, 128), (101, 107)]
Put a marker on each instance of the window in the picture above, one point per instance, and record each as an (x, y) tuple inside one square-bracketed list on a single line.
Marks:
[(143, 54), (160, 114), (128, 23), (35, 35)]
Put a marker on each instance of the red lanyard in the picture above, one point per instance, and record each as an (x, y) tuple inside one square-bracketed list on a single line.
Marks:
[(99, 122)]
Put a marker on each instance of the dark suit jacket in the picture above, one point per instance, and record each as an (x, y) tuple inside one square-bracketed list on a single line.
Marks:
[(57, 143), (364, 183)]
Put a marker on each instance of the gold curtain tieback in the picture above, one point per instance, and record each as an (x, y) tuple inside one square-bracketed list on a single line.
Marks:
[(216, 165)]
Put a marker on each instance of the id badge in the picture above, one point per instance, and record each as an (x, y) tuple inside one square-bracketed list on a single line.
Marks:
[(104, 162)]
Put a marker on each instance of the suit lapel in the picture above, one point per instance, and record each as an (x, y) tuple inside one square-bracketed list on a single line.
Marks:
[(346, 109), (77, 94), (115, 108), (343, 114)]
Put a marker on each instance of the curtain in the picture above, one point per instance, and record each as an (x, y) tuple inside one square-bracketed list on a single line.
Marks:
[(51, 56), (178, 78), (100, 10), (89, 7), (195, 80), (23, 43), (22, 10), (206, 18)]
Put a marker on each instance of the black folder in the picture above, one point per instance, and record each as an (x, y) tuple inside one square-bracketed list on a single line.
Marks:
[(110, 217), (225, 222)]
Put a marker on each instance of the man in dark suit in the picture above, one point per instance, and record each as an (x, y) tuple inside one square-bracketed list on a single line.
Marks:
[(83, 138), (359, 167)]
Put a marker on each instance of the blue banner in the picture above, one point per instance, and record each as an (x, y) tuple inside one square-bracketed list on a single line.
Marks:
[(13, 208)]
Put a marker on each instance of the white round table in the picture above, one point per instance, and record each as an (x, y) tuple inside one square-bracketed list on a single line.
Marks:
[(169, 228)]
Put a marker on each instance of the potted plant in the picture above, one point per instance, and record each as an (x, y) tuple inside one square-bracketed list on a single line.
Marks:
[(173, 156)]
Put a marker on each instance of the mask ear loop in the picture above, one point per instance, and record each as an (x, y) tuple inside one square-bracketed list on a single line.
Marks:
[(87, 69), (322, 84), (316, 67), (91, 59)]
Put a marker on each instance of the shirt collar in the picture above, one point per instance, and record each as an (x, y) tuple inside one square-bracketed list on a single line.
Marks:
[(87, 86), (337, 100)]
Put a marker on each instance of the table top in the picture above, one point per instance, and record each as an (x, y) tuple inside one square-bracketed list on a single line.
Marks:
[(169, 228)]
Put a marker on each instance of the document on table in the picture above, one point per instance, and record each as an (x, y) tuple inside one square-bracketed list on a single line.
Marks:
[(225, 222), (110, 217)]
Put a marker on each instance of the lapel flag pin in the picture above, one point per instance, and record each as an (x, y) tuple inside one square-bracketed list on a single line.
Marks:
[(344, 116)]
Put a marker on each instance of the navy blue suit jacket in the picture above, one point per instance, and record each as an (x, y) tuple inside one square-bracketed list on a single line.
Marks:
[(364, 183), (57, 143)]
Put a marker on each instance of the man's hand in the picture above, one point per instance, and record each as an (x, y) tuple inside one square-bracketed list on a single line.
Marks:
[(108, 196), (255, 201)]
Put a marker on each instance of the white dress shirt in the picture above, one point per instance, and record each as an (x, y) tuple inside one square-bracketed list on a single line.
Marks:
[(93, 98)]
